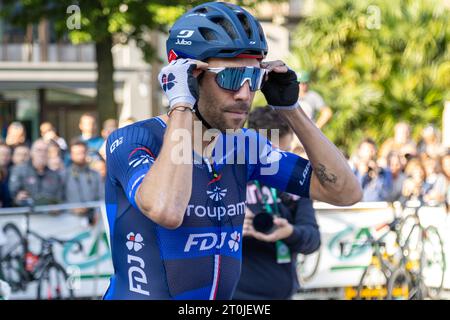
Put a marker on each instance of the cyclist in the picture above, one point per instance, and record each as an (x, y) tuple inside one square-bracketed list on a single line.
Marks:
[(176, 226)]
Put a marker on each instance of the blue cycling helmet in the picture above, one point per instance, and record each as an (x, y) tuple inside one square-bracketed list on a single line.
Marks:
[(216, 29)]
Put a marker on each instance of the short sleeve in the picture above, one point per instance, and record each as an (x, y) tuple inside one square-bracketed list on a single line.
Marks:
[(129, 156)]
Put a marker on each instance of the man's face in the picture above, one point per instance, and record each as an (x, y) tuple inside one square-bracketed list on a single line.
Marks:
[(21, 155), (367, 152), (225, 109), (5, 156), (395, 164), (39, 154), (88, 125), (78, 154), (303, 86)]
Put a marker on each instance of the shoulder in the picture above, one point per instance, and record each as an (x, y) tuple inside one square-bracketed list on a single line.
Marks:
[(143, 136), (21, 168)]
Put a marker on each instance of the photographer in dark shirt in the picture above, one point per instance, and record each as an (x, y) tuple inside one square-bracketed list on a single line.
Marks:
[(277, 227)]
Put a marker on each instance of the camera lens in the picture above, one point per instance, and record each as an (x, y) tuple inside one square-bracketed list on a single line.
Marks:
[(263, 222)]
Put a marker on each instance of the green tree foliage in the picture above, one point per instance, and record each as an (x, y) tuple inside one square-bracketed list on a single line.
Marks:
[(376, 62), (103, 22)]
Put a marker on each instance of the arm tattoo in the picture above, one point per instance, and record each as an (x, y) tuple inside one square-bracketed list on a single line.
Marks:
[(324, 176)]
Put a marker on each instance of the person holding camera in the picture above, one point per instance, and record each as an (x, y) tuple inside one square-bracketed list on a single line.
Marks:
[(277, 226), (376, 181)]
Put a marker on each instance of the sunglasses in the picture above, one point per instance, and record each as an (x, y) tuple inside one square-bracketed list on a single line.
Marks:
[(234, 78)]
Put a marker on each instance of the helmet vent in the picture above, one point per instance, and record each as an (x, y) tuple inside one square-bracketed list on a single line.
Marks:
[(208, 34), (245, 24), (202, 10), (226, 25)]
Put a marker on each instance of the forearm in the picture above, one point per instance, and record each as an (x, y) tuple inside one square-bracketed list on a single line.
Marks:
[(333, 180), (166, 203)]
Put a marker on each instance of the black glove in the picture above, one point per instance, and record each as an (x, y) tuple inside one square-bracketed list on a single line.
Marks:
[(281, 90)]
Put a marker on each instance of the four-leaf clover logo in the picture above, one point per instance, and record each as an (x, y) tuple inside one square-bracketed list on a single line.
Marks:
[(168, 81), (234, 242), (134, 241)]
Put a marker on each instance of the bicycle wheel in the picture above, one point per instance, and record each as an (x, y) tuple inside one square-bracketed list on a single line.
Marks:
[(433, 262), (53, 283), (12, 257), (307, 266), (372, 284), (400, 285), (15, 242)]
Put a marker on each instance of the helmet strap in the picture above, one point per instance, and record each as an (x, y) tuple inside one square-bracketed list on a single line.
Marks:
[(200, 117)]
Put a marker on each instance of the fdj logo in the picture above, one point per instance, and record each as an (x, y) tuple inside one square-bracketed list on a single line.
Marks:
[(136, 274), (208, 241), (168, 81)]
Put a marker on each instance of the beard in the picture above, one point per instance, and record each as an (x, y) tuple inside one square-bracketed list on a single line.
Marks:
[(230, 117)]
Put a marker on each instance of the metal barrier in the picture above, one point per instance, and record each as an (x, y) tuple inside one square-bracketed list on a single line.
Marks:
[(89, 270), (329, 268)]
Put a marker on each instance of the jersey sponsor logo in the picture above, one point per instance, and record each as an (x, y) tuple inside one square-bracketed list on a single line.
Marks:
[(137, 278), (142, 159), (136, 275), (216, 211), (210, 240), (115, 144), (185, 34), (140, 156), (134, 241), (168, 81), (217, 194), (183, 42), (233, 243), (305, 173)]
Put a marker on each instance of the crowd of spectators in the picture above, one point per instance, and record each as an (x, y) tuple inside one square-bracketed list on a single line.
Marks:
[(50, 170), (403, 169)]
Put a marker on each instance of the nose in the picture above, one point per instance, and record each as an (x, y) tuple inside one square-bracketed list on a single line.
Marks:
[(244, 93)]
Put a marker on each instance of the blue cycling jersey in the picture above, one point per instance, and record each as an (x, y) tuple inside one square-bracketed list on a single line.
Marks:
[(201, 259)]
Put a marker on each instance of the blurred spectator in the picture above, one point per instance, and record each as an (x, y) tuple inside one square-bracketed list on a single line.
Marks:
[(55, 161), (48, 133), (21, 154), (414, 185), (5, 164), (89, 135), (398, 177), (35, 179), (430, 142), (82, 183), (375, 181), (100, 167), (401, 143), (311, 102), (108, 127), (16, 135), (435, 181)]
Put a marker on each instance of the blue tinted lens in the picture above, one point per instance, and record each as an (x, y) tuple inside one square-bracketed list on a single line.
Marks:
[(234, 78)]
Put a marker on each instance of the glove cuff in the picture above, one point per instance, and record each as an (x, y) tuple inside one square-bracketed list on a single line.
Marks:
[(294, 106), (187, 99)]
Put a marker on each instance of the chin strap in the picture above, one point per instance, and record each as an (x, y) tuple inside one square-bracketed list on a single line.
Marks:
[(200, 117)]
